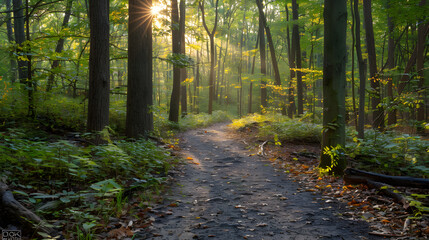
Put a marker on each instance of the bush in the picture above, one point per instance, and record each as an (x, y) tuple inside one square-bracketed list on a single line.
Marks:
[(391, 152), (282, 128)]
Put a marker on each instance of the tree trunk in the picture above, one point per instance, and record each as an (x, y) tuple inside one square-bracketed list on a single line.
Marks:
[(19, 30), (60, 46), (99, 67), (353, 67), (175, 94), (197, 84), (139, 120), (31, 87), (420, 59), (10, 38), (378, 113), (334, 80), (405, 79), (291, 56), (362, 73), (183, 71), (270, 43), (391, 115), (212, 53), (296, 39), (249, 107), (264, 96)]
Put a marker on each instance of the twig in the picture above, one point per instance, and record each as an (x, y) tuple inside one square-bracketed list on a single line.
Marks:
[(261, 149)]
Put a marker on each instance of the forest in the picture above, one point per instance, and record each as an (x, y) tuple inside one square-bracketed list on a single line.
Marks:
[(96, 95)]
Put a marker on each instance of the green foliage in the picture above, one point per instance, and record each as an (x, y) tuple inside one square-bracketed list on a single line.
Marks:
[(392, 152), (63, 179), (336, 157), (180, 60), (192, 121), (286, 129)]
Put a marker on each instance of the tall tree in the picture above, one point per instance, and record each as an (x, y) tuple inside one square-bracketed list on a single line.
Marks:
[(270, 42), (420, 59), (378, 113), (212, 51), (390, 64), (99, 67), (263, 64), (139, 120), (175, 94), (60, 45), (31, 87), (362, 71), (19, 30), (297, 46), (10, 38), (182, 44), (334, 81), (291, 56)]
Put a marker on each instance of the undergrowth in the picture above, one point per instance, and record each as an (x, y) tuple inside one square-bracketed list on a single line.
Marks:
[(77, 186), (281, 128), (391, 152)]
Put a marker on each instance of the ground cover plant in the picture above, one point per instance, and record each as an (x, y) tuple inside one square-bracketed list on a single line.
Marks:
[(78, 187)]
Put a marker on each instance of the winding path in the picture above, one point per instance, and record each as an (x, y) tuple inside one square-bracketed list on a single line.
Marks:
[(224, 193)]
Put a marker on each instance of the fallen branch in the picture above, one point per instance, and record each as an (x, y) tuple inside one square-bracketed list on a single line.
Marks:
[(391, 180), (15, 211), (383, 188), (261, 149)]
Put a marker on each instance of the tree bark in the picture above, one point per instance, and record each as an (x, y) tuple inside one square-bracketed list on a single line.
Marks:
[(277, 79), (353, 67), (420, 59), (212, 53), (296, 39), (30, 85), (175, 94), (391, 115), (362, 72), (240, 70), (291, 55), (60, 46), (183, 71), (99, 67), (405, 79), (378, 113), (334, 80), (250, 103), (10, 38), (139, 122), (19, 30), (262, 53)]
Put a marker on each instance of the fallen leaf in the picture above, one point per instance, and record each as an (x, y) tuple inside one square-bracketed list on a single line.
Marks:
[(120, 233), (189, 158)]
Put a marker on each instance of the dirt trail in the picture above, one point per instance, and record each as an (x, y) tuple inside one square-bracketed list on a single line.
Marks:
[(226, 194)]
